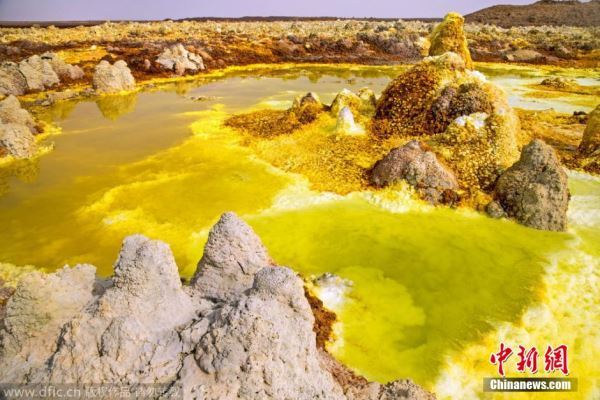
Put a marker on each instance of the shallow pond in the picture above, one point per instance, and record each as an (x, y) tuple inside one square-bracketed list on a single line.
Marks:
[(433, 291)]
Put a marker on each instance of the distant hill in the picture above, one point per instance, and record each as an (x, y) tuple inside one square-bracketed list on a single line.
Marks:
[(545, 12)]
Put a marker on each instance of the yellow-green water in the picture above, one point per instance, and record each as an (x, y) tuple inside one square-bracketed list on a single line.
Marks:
[(434, 290)]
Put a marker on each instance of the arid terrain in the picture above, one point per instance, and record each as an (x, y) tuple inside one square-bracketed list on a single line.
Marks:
[(423, 188), (544, 12)]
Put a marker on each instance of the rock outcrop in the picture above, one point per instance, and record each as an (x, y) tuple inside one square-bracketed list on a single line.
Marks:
[(534, 191), (404, 107), (420, 168), (346, 98), (16, 140), (12, 113), (308, 98), (361, 103), (35, 73), (113, 78), (17, 128), (457, 112), (12, 80), (232, 256), (177, 59), (249, 338), (590, 143), (449, 36), (38, 73), (61, 68)]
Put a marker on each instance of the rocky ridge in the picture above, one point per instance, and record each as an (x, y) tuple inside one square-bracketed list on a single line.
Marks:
[(35, 73), (544, 12), (242, 329)]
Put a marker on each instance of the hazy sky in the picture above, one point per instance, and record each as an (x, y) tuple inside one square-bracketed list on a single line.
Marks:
[(56, 10)]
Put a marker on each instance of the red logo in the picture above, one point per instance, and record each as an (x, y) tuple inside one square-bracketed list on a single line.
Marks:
[(501, 357), (555, 359)]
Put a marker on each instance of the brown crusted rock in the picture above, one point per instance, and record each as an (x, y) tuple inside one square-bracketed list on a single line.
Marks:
[(449, 36), (590, 144), (463, 117), (403, 108), (418, 166), (232, 256), (559, 82), (534, 191), (480, 146)]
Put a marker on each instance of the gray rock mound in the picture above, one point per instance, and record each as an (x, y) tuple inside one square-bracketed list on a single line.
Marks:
[(253, 340), (63, 69), (35, 314), (113, 78), (16, 141), (272, 352), (232, 256), (16, 129), (177, 59), (38, 73), (534, 191), (12, 80), (418, 166), (12, 113)]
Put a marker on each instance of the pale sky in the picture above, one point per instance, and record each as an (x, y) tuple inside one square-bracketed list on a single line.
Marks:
[(68, 10)]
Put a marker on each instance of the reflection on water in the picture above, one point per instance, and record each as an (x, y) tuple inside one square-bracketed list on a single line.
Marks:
[(25, 171), (434, 290), (115, 106)]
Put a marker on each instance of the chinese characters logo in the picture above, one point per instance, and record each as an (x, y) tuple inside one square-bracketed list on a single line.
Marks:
[(555, 359)]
